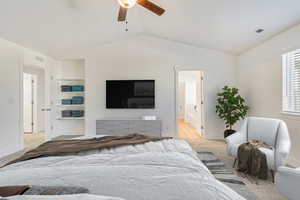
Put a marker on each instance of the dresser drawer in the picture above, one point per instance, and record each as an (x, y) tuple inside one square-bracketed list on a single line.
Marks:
[(125, 127), (151, 128)]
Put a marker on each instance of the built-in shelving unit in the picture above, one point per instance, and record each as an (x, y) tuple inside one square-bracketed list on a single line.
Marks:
[(69, 95), (68, 73)]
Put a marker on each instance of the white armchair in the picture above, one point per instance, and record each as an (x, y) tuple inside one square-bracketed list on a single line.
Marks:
[(287, 182), (271, 131)]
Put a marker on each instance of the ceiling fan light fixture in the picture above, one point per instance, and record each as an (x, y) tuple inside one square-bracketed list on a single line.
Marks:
[(127, 3)]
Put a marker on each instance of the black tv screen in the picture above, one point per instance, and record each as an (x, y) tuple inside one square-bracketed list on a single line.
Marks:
[(135, 94)]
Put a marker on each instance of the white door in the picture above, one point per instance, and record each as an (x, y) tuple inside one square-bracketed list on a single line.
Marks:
[(34, 103), (49, 108), (181, 101), (27, 103), (190, 114)]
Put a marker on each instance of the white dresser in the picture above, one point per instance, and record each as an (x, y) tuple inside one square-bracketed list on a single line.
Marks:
[(126, 126)]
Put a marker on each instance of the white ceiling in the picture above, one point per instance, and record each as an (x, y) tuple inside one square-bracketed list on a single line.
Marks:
[(52, 26)]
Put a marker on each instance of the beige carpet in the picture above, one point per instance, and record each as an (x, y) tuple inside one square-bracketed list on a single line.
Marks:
[(265, 190)]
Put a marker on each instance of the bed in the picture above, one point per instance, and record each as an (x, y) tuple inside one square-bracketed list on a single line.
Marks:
[(161, 170)]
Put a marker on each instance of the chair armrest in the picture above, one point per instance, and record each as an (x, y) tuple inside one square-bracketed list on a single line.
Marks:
[(287, 182), (282, 153), (283, 146), (235, 139)]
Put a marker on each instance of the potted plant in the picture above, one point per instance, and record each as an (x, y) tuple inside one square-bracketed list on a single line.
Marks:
[(231, 107)]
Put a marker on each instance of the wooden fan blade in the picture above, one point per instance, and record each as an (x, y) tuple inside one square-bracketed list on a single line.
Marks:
[(151, 6), (122, 14)]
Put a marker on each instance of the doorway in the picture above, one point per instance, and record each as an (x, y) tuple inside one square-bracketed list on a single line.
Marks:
[(190, 101), (33, 104)]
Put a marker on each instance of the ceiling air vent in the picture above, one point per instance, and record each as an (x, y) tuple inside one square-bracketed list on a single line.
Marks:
[(259, 30)]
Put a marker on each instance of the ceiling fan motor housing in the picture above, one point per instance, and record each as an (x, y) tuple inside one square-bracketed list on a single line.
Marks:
[(127, 3)]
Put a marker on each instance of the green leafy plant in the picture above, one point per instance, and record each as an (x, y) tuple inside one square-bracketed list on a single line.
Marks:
[(231, 107)]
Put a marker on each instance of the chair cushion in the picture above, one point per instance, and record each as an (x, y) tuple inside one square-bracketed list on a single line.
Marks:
[(270, 157), (263, 129)]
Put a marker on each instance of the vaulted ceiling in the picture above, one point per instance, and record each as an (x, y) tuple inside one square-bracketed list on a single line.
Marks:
[(51, 26)]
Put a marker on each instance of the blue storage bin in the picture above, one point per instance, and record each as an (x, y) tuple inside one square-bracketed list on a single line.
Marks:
[(66, 113), (66, 101), (78, 100), (77, 113), (77, 88), (66, 88)]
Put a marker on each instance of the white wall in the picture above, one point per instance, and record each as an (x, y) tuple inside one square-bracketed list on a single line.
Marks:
[(139, 58), (152, 58), (12, 59), (10, 109), (260, 81), (71, 69)]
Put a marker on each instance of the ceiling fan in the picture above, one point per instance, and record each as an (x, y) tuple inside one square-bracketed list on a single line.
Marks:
[(126, 4)]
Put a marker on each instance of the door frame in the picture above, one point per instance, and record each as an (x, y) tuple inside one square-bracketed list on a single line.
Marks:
[(49, 109), (178, 69), (25, 61)]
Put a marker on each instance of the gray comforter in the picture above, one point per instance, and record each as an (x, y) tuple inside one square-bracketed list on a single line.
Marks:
[(164, 170)]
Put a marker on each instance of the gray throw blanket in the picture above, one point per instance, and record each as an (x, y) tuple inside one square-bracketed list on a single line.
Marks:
[(13, 190), (55, 190), (40, 190), (252, 161), (69, 147)]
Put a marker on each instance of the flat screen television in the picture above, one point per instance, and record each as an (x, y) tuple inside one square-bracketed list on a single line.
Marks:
[(130, 94)]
